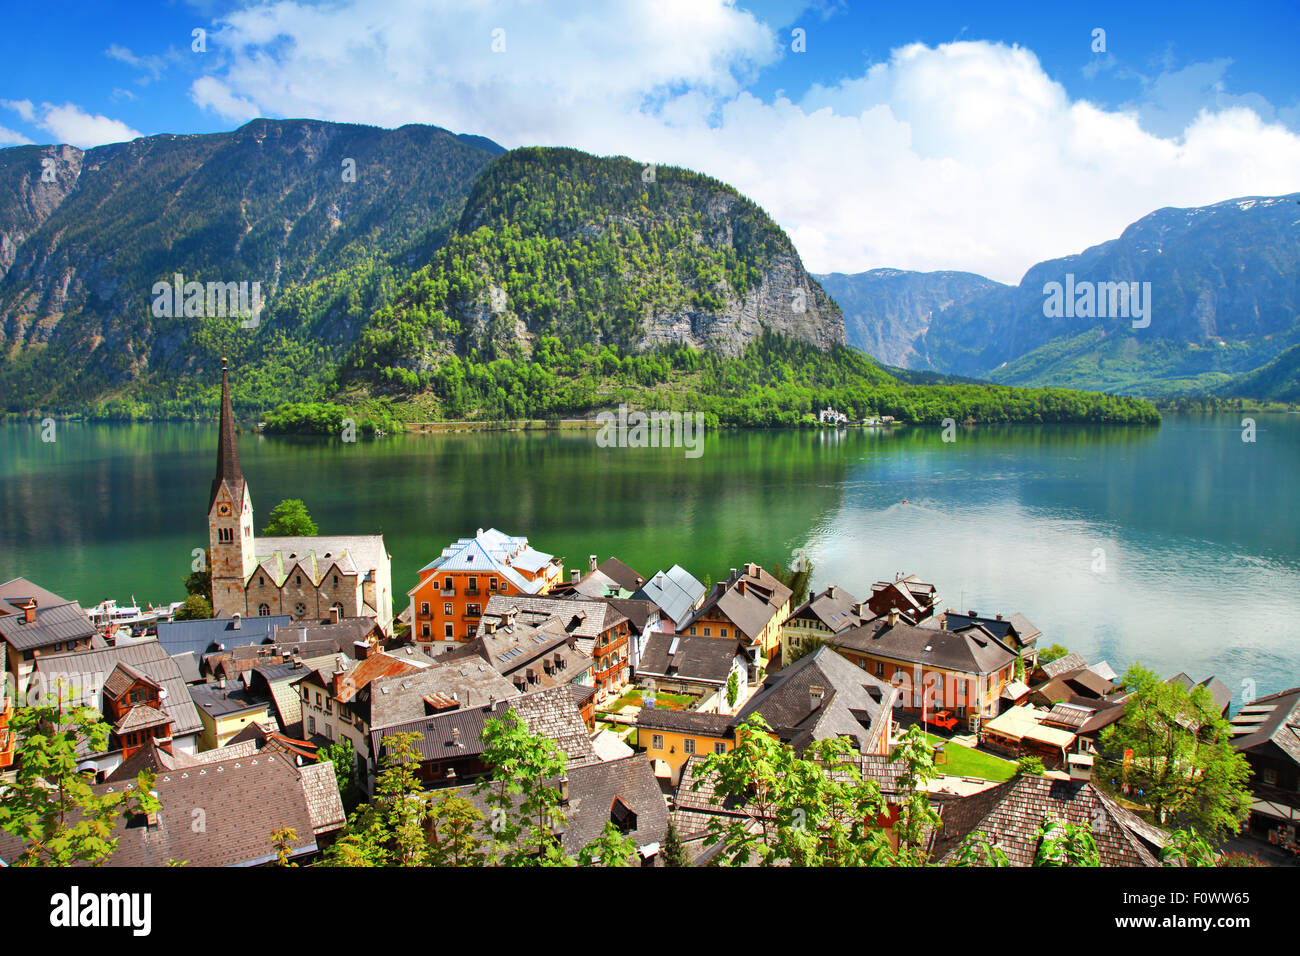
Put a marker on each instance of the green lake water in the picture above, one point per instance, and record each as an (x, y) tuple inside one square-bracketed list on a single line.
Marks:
[(1178, 546)]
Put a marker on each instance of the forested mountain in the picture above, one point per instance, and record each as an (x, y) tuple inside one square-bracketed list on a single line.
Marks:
[(887, 312), (413, 273), (1225, 300)]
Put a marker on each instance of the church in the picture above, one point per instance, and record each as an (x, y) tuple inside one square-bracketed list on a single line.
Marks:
[(313, 579)]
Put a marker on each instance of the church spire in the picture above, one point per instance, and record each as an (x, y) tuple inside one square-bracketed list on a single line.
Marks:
[(227, 449)]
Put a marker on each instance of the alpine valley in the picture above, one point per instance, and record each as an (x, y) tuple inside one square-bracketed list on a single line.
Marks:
[(1224, 311), (414, 274)]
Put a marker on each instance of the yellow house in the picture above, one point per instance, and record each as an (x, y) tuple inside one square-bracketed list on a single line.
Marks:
[(225, 711), (750, 606), (671, 737)]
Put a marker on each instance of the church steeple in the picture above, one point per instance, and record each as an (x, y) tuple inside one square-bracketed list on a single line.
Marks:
[(227, 448)]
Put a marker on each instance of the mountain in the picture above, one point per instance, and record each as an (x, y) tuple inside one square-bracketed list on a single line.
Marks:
[(285, 203), (561, 244), (1225, 299), (1278, 381), (887, 312), (439, 245)]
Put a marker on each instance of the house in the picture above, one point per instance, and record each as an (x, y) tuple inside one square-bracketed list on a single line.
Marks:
[(623, 792), (226, 708), (1049, 671), (450, 743), (914, 599), (602, 632), (819, 696), (1004, 629), (700, 666), (1086, 718), (274, 683), (8, 738), (139, 689), (1267, 732), (643, 619), (35, 622), (204, 637), (676, 593), (965, 672), (1010, 814), (453, 588), (1080, 682), (1024, 732), (822, 615), (308, 577), (224, 813), (829, 416), (530, 657), (611, 578), (751, 605), (345, 635), (1219, 691)]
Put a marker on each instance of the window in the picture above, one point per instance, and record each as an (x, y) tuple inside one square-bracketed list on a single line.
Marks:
[(318, 698), (447, 630), (264, 610), (311, 724), (297, 580), (719, 747), (329, 705), (447, 584), (300, 610), (471, 610), (708, 632), (424, 629), (446, 609), (424, 608), (688, 745), (723, 632), (492, 584), (473, 584), (880, 668), (657, 742), (1269, 776), (306, 696)]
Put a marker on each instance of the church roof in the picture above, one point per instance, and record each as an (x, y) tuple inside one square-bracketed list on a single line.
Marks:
[(350, 553), (228, 470)]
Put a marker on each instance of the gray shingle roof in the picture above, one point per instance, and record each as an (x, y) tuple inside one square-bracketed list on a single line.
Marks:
[(53, 624), (1069, 662), (674, 591), (1269, 721), (970, 651), (688, 657), (749, 601), (202, 637)]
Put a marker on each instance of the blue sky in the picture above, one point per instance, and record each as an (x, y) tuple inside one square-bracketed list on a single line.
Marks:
[(920, 135)]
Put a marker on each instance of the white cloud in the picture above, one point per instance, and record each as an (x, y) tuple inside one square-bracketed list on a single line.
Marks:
[(210, 93), (23, 108), (10, 137), (71, 124), (962, 156)]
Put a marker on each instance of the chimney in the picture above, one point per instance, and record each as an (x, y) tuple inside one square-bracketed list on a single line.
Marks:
[(740, 586), (334, 614), (971, 614), (591, 562), (236, 621), (639, 581), (151, 818), (532, 676), (564, 790), (734, 574), (893, 616), (575, 575), (999, 617), (860, 609), (455, 735), (221, 684), (480, 533), (1080, 766), (816, 694), (29, 612)]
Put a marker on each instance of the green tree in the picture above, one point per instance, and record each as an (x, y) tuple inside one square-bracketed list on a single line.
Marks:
[(733, 689), (51, 805), (978, 850), (1188, 848), (283, 840), (915, 815), (525, 809), (611, 848), (195, 608), (200, 582), (674, 851), (1173, 749), (289, 519), (1053, 653), (341, 754), (389, 830), (453, 826), (1029, 766), (1065, 844)]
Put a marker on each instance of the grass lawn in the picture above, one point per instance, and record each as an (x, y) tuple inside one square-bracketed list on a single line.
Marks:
[(965, 762), (666, 701)]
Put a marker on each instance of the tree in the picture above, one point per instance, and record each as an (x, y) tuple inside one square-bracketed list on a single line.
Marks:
[(1188, 848), (815, 810), (1053, 653), (916, 817), (283, 840), (611, 848), (733, 689), (674, 851), (525, 809), (978, 850), (1029, 766), (797, 578), (389, 830), (51, 804), (200, 582), (195, 608), (1065, 844), (1173, 750), (452, 827), (806, 646), (341, 754), (289, 519)]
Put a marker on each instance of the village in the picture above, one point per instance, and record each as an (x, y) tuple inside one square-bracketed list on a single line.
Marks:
[(639, 684)]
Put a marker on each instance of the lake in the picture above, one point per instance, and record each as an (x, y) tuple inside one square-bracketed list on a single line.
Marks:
[(1178, 546)]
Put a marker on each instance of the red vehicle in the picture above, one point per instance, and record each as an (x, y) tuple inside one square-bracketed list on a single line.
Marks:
[(944, 719)]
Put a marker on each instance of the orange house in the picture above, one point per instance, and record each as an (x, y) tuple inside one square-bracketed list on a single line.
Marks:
[(455, 587), (8, 739)]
